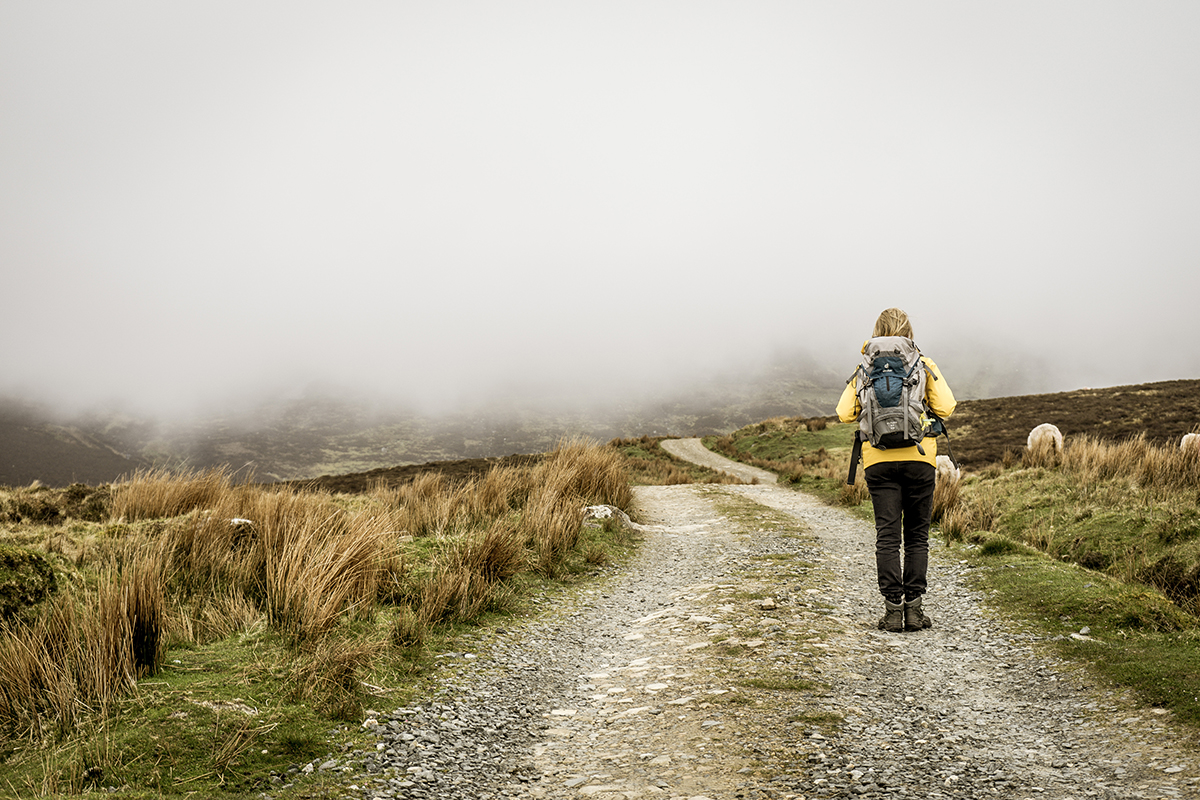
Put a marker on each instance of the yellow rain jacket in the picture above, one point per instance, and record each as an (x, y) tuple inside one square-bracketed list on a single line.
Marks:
[(938, 398)]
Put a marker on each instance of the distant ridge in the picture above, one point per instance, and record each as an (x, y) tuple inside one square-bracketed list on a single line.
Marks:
[(33, 448), (309, 442), (981, 430)]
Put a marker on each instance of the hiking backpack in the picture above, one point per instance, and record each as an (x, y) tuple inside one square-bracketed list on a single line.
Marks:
[(891, 391)]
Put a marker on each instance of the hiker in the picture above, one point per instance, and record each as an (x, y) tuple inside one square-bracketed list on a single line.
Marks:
[(899, 455)]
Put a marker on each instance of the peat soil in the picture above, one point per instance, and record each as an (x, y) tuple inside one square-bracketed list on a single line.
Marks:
[(982, 430)]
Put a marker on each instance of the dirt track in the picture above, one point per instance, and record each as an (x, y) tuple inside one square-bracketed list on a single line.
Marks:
[(737, 656)]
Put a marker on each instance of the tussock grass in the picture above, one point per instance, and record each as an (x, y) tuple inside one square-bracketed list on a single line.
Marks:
[(300, 557), (329, 672), (854, 494), (34, 504), (151, 494), (467, 578), (323, 590), (578, 468), (1162, 470), (1044, 453), (1124, 508), (1107, 536), (945, 495), (212, 617), (82, 652)]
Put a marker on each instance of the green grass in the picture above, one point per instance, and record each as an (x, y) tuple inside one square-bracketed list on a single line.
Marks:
[(777, 684), (187, 728), (748, 517), (650, 465), (1056, 555), (1136, 638), (814, 461)]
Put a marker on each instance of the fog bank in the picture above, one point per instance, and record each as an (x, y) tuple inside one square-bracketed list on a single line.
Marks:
[(208, 205)]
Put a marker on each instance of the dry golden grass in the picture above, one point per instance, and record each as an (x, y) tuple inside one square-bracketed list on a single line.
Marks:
[(497, 553), (466, 578), (431, 505), (956, 524), (82, 652), (552, 527), (1153, 466), (854, 494), (502, 490), (193, 558), (151, 494), (575, 473), (327, 670), (315, 573), (302, 558), (1044, 453), (452, 594), (212, 617), (410, 629), (579, 468), (974, 511), (945, 495)]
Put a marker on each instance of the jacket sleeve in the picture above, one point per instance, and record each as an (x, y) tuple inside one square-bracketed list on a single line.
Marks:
[(848, 407), (938, 396)]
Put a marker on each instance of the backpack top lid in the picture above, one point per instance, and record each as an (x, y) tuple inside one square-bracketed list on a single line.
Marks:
[(898, 346)]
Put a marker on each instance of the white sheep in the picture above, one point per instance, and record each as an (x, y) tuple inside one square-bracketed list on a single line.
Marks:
[(947, 470), (1045, 435), (1190, 440)]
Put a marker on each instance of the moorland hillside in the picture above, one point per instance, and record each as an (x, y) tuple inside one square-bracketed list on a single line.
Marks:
[(326, 433), (335, 443), (982, 430)]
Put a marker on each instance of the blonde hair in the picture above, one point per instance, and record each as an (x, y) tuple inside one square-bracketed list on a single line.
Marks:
[(893, 322)]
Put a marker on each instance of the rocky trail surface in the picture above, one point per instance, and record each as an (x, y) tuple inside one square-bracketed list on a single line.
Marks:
[(737, 656)]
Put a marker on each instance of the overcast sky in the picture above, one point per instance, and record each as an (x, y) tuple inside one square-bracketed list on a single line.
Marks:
[(431, 199)]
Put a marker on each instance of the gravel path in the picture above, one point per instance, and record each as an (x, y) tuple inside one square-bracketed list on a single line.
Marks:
[(737, 656), (694, 450)]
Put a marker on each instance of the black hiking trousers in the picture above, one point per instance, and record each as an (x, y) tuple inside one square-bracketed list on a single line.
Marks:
[(902, 495)]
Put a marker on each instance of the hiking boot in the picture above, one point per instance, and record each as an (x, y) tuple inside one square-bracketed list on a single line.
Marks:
[(914, 617), (893, 617)]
